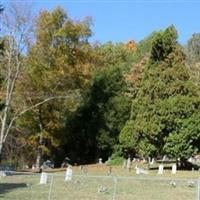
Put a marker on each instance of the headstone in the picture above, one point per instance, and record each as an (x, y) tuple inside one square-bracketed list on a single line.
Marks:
[(137, 170), (124, 164), (174, 169), (190, 183), (152, 161), (164, 158), (2, 174), (129, 163), (102, 189), (43, 178), (140, 171), (34, 166), (68, 176), (160, 169), (100, 161), (143, 171), (192, 169), (173, 183)]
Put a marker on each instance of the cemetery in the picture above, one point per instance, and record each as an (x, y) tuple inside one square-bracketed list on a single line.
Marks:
[(102, 182), (103, 109)]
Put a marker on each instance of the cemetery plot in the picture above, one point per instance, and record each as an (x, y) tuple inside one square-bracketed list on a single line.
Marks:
[(150, 189), (87, 187), (23, 187), (82, 187)]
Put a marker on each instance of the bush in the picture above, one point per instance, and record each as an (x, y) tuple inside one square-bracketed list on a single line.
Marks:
[(115, 161)]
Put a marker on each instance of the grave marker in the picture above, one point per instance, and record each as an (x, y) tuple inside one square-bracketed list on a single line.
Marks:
[(2, 174), (137, 170), (124, 164), (100, 161), (140, 170), (129, 164), (152, 161), (68, 176), (174, 169), (43, 178), (160, 169)]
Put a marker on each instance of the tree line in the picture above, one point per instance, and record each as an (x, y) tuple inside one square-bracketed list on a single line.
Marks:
[(61, 95)]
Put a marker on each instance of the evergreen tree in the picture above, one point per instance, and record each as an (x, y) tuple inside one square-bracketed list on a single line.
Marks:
[(165, 100)]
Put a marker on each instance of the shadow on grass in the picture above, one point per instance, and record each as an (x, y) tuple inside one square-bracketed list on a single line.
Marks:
[(7, 187), (156, 168)]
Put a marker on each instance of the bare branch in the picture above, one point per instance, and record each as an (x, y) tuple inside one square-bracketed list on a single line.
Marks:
[(28, 109)]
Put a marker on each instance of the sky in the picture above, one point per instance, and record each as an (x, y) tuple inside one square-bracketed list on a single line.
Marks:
[(123, 20)]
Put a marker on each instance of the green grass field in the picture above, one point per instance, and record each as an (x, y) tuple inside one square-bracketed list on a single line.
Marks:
[(85, 186)]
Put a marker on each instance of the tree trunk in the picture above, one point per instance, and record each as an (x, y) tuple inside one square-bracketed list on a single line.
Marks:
[(38, 159), (1, 147), (39, 151)]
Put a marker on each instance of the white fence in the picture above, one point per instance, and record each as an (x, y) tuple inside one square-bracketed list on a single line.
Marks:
[(26, 186)]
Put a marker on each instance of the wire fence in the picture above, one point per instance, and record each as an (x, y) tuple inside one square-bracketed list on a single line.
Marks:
[(26, 186)]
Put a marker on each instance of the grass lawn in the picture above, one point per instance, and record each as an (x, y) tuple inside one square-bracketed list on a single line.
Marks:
[(86, 184)]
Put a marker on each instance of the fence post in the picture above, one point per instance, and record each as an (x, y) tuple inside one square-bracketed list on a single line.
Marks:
[(50, 188), (198, 188), (115, 189)]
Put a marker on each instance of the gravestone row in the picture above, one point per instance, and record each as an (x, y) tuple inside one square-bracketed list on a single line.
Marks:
[(160, 169), (68, 175), (44, 176)]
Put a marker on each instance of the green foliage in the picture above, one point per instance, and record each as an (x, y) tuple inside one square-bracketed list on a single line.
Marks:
[(114, 54), (117, 157), (165, 100), (115, 161), (59, 65), (101, 116), (122, 99), (184, 142), (144, 47), (163, 44)]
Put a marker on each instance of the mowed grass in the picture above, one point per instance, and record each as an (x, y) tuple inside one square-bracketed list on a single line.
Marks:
[(86, 183)]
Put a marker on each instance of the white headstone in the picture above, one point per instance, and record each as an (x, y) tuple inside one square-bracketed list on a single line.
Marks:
[(128, 163), (152, 161), (174, 169), (140, 171), (124, 164), (164, 158), (160, 169), (2, 174), (149, 160), (68, 176), (43, 178), (100, 161), (137, 170)]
